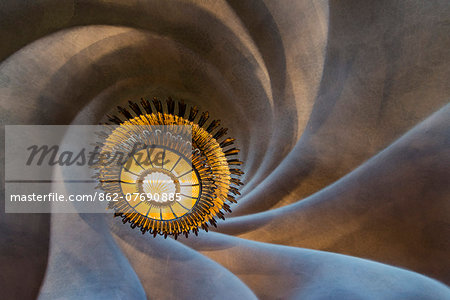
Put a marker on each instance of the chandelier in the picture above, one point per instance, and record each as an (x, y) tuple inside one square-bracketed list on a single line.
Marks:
[(178, 173)]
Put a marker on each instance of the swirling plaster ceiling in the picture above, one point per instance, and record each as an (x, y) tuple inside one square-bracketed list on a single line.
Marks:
[(339, 109)]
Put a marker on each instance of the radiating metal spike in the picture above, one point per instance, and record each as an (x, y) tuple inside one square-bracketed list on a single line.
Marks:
[(234, 190), (214, 124), (236, 172), (181, 108), (114, 119), (124, 112), (226, 207), (231, 151), (193, 113), (170, 106), (236, 181), (212, 221), (204, 117), (135, 108), (146, 105), (231, 199), (157, 104), (222, 131), (234, 162), (226, 142)]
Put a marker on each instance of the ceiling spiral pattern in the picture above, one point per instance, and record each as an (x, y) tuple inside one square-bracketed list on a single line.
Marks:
[(340, 111)]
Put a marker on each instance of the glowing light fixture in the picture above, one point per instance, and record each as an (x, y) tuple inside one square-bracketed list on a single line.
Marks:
[(177, 186)]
